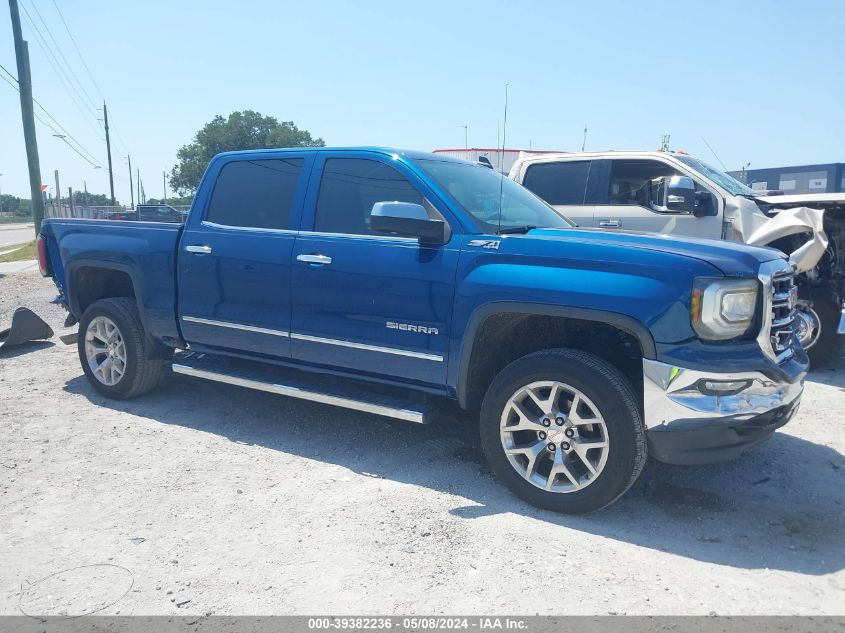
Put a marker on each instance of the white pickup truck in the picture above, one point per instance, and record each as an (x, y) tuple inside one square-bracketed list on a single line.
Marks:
[(675, 194)]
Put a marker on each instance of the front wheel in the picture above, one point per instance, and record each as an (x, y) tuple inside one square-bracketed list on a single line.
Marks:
[(114, 351), (817, 325), (562, 429)]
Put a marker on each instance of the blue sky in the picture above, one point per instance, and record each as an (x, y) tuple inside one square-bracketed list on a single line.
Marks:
[(760, 81)]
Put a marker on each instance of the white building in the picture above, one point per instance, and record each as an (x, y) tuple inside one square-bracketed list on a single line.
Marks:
[(501, 159)]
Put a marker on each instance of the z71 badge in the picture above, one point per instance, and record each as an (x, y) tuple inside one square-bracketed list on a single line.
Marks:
[(491, 244)]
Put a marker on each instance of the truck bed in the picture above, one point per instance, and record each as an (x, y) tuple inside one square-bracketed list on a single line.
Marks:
[(145, 251)]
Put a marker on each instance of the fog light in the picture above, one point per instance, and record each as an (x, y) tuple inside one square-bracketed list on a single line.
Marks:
[(722, 387)]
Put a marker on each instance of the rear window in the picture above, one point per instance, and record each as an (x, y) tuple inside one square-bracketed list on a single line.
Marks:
[(255, 193), (558, 183)]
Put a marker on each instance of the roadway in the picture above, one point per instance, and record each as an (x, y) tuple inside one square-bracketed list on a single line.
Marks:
[(11, 234)]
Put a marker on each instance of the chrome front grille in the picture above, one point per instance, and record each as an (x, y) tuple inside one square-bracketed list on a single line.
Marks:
[(778, 334)]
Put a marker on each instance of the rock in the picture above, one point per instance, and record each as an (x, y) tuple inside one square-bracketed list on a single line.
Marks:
[(182, 600)]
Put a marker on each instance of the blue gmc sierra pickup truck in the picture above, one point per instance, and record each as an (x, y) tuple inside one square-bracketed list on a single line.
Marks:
[(392, 282)]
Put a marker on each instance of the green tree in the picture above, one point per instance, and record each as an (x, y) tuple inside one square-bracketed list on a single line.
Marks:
[(9, 204), (82, 199), (240, 130)]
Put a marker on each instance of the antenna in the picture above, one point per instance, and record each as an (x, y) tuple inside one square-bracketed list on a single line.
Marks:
[(584, 140), (714, 154), (502, 159)]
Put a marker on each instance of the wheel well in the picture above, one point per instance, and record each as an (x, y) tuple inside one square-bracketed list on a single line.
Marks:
[(504, 337), (91, 284)]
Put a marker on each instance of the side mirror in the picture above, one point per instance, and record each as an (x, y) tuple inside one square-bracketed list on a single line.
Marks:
[(672, 194), (407, 220)]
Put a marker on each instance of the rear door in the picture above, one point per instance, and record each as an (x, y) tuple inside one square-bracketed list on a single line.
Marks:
[(364, 302), (234, 264), (565, 186)]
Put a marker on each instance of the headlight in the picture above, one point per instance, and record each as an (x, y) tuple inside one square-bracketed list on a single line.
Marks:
[(723, 308)]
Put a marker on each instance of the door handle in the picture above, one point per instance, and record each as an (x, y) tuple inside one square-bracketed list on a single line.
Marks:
[(314, 259), (198, 248), (610, 224)]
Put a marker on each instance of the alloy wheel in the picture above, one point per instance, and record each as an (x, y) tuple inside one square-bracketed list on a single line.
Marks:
[(105, 350), (554, 436)]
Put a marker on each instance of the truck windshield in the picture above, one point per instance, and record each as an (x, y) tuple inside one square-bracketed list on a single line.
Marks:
[(731, 184), (481, 191)]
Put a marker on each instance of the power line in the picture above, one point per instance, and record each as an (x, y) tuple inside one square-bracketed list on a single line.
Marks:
[(87, 70), (61, 54), (68, 134), (60, 73), (57, 134), (82, 59)]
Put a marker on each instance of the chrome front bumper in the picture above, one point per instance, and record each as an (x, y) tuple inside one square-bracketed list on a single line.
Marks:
[(676, 398)]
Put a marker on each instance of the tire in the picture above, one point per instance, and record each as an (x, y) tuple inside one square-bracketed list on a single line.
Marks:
[(140, 372), (604, 391), (828, 344)]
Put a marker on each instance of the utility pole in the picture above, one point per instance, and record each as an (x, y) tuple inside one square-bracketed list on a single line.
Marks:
[(58, 195), (138, 182), (27, 117), (70, 199), (466, 136), (108, 150), (131, 186), (85, 187), (164, 182)]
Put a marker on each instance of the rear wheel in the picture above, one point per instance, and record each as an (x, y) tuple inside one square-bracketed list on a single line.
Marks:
[(562, 429), (114, 351)]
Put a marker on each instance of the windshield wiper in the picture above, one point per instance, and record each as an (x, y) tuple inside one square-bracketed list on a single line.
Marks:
[(515, 229)]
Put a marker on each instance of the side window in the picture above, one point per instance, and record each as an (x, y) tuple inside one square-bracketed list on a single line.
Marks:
[(558, 183), (255, 193), (350, 187), (628, 180)]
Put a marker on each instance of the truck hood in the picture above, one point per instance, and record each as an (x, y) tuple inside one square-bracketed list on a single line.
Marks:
[(748, 223), (730, 258), (804, 199)]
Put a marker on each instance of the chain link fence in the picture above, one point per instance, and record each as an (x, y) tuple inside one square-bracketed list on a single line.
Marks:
[(142, 212)]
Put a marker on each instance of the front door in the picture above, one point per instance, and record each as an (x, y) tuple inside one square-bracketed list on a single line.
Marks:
[(369, 303), (234, 264), (622, 202)]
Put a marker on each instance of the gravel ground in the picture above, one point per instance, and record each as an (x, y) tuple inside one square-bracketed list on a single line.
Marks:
[(205, 498)]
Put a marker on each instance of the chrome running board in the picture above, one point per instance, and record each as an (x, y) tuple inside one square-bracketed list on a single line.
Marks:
[(302, 385)]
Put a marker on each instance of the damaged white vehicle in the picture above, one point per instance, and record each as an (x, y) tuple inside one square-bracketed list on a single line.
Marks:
[(675, 194)]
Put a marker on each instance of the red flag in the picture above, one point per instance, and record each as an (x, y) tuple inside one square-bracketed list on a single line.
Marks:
[(43, 187)]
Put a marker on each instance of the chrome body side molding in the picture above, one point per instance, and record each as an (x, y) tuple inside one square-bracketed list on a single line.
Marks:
[(236, 326), (366, 347)]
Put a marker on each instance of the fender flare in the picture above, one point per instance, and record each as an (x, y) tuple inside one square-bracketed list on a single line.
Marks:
[(70, 276), (621, 321)]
